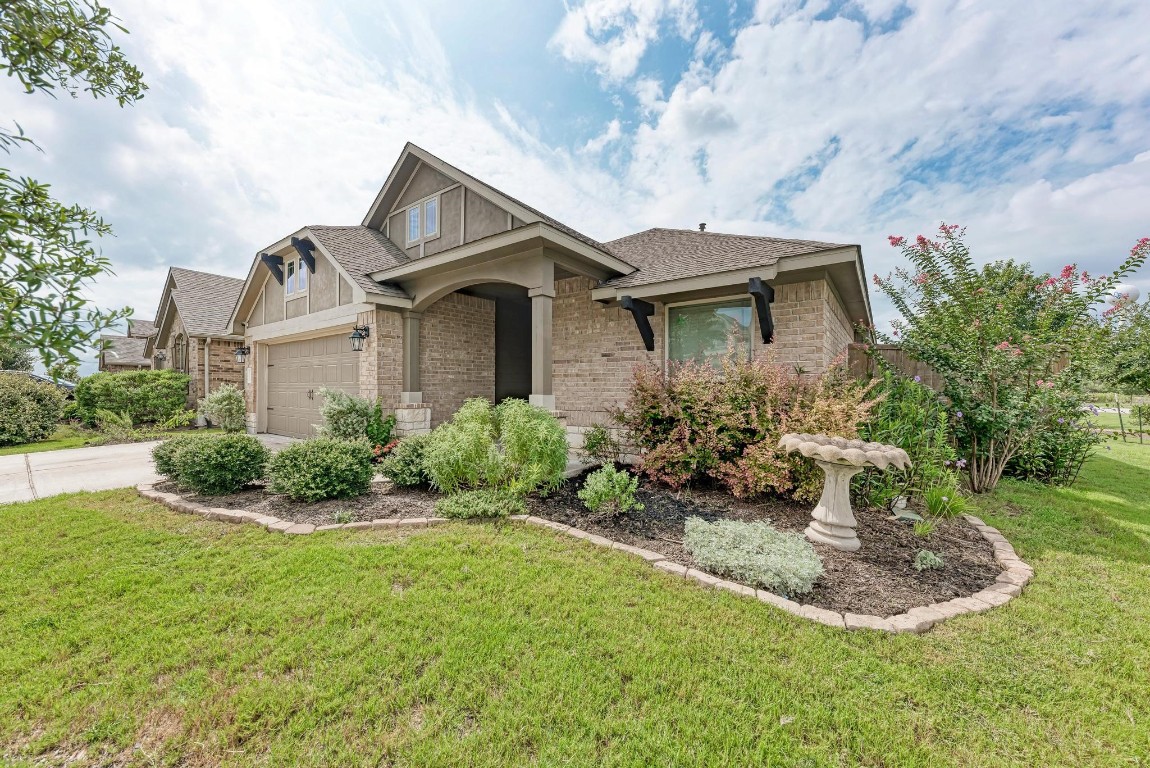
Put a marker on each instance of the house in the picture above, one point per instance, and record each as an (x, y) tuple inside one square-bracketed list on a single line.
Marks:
[(193, 333), (127, 353), (451, 289)]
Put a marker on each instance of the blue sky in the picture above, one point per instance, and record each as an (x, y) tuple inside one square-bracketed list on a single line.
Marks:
[(844, 121)]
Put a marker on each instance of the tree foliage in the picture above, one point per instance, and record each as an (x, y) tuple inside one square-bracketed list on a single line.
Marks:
[(47, 255), (14, 356), (1128, 361), (1011, 347)]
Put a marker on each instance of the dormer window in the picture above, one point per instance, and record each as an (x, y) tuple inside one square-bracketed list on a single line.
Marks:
[(423, 221), (290, 281), (295, 279)]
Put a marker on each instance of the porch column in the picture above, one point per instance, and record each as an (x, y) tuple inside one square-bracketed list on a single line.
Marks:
[(411, 387), (542, 394)]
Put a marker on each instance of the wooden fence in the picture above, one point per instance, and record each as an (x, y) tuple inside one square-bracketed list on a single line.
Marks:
[(862, 366)]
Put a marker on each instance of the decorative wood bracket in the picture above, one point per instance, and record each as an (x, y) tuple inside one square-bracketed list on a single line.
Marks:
[(276, 265), (764, 296), (641, 311), (305, 248)]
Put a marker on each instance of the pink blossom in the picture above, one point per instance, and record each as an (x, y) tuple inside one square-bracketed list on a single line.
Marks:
[(921, 278), (922, 241), (877, 280), (1002, 346), (896, 241), (1067, 271)]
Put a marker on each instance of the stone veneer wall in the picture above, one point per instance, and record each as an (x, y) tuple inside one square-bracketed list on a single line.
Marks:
[(456, 353)]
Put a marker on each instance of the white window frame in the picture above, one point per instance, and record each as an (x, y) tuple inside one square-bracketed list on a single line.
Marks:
[(420, 206), (289, 277), (297, 267), (739, 297), (301, 286)]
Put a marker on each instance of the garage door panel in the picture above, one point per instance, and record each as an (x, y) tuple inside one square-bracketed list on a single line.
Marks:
[(299, 367)]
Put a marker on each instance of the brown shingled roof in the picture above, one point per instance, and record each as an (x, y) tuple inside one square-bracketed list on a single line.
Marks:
[(362, 250), (671, 254), (205, 301), (125, 350), (141, 329)]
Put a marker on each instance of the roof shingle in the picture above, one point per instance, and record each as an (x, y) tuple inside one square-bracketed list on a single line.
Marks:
[(671, 254), (125, 350), (360, 251), (205, 301), (141, 329)]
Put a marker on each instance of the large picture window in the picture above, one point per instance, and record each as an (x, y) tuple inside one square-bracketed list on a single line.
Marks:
[(704, 331)]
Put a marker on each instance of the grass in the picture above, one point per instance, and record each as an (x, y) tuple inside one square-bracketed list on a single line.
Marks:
[(136, 636), (66, 436)]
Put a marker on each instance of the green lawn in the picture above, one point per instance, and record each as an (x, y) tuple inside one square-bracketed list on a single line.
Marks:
[(65, 436), (135, 636)]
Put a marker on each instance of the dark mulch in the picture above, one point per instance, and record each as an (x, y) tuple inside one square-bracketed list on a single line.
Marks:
[(383, 501), (879, 579)]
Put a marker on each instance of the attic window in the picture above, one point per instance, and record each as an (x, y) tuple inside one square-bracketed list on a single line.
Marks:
[(423, 220), (291, 276)]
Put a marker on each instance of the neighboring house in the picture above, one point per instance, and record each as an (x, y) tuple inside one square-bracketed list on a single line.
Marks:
[(454, 289), (127, 353), (193, 330)]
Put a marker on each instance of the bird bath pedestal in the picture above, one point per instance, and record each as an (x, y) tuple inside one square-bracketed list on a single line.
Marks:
[(840, 459)]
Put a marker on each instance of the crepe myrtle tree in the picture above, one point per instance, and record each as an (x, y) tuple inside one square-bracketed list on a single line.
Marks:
[(47, 255), (1007, 344)]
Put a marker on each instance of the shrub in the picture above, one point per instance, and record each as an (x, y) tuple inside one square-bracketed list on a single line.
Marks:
[(599, 447), (534, 446), (322, 468), (610, 490), (179, 419), (913, 417), (146, 396), (1055, 452), (724, 423), (226, 408), (483, 502), (944, 500), (29, 409), (404, 466), (164, 454), (755, 554), (71, 411), (515, 446), (1008, 344), (344, 416), (116, 426), (926, 560), (379, 429), (218, 464)]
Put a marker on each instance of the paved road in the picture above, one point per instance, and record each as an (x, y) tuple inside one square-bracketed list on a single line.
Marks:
[(29, 476)]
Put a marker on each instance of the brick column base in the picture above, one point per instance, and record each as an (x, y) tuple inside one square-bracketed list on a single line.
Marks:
[(412, 419)]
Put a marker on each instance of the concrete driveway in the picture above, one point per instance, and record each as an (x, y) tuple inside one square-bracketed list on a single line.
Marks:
[(30, 476)]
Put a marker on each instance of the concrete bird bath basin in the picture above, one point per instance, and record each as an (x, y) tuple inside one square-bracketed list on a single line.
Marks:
[(840, 459)]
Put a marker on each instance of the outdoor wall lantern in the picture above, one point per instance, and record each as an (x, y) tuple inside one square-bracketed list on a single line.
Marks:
[(357, 336), (161, 356), (242, 353)]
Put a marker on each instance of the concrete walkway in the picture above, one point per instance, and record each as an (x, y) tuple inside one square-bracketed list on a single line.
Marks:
[(30, 476)]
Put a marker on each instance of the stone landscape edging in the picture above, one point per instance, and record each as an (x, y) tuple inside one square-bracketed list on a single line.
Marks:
[(1016, 573)]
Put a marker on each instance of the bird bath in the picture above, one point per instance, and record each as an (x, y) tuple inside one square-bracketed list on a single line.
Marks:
[(840, 459)]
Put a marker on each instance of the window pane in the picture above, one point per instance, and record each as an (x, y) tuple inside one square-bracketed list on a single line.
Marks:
[(302, 275), (291, 277), (413, 224), (431, 216), (703, 332)]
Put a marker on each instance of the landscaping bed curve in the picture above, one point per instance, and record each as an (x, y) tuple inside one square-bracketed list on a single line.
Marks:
[(1012, 575)]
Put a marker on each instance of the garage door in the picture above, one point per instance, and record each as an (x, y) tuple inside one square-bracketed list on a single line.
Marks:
[(297, 371)]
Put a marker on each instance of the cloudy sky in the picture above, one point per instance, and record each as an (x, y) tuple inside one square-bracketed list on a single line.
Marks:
[(843, 121)]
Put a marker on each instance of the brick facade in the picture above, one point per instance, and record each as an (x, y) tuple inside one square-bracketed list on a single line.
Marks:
[(456, 353), (381, 364), (220, 359)]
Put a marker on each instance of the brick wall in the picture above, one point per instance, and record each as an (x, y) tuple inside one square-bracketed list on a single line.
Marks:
[(456, 353), (594, 351), (222, 366), (799, 312), (839, 328), (381, 364)]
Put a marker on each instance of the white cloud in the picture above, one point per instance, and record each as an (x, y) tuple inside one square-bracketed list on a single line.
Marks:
[(611, 134), (613, 35)]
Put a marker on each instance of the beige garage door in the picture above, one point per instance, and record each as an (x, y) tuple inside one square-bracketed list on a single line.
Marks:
[(297, 371)]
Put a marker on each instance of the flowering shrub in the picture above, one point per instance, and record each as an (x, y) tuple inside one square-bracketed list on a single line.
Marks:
[(754, 554), (1056, 451), (724, 423), (1010, 346)]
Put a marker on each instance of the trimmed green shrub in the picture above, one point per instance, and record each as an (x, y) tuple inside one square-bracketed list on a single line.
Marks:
[(461, 453), (599, 447), (164, 454), (610, 490), (348, 417), (225, 408), (71, 411), (534, 446), (322, 468), (29, 409), (218, 464), (146, 396), (754, 554), (484, 502), (405, 465), (926, 560)]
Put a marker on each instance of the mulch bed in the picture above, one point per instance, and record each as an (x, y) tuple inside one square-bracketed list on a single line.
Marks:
[(382, 502), (879, 579)]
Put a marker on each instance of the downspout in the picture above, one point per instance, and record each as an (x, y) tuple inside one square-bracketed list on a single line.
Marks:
[(207, 367)]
